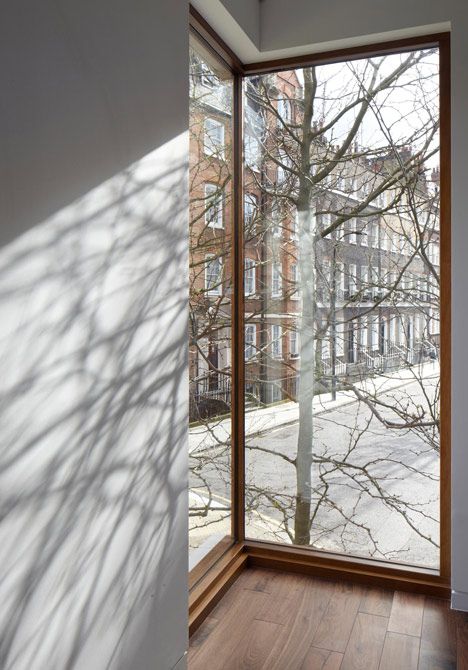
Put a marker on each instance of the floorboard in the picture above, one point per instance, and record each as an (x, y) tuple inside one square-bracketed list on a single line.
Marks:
[(400, 651), (338, 621), (407, 613), (366, 643), (270, 620), (438, 637)]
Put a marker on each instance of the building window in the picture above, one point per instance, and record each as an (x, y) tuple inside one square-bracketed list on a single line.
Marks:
[(326, 220), (339, 338), (352, 280), (249, 277), (214, 206), (374, 325), (352, 231), (375, 280), (280, 175), (276, 280), (363, 235), (363, 330), (295, 224), (276, 341), (283, 170), (293, 344), (276, 393), (250, 341), (252, 151), (384, 240), (365, 282), (213, 275), (295, 293), (213, 138), (374, 235), (433, 253), (250, 208), (284, 110), (402, 244), (276, 223), (207, 76)]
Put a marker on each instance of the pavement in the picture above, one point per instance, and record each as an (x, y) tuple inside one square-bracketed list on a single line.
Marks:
[(260, 420)]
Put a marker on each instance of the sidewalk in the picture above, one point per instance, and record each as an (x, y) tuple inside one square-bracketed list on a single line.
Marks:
[(286, 413)]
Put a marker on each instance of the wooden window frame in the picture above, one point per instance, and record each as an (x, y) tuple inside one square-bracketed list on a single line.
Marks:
[(214, 575)]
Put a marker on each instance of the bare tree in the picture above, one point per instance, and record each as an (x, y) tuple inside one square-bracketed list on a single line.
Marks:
[(336, 182)]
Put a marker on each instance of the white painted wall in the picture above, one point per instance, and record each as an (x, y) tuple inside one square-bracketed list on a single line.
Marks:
[(302, 26), (93, 322)]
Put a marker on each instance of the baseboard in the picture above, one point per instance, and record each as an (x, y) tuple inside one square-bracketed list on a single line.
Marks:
[(321, 564), (209, 591), (460, 601)]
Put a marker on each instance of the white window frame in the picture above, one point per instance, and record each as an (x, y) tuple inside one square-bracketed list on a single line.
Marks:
[(211, 145), (364, 277), (276, 280), (214, 289), (250, 341), (375, 279), (281, 173), (251, 151), (364, 234), (363, 331), (352, 279), (339, 280), (276, 341), (208, 78), (326, 219), (339, 338), (295, 225), (294, 344), (250, 207), (384, 239), (276, 223), (374, 333), (294, 272), (216, 206), (284, 109), (249, 277)]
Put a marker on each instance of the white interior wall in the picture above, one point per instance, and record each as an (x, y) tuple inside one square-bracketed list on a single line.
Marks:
[(93, 314), (303, 27)]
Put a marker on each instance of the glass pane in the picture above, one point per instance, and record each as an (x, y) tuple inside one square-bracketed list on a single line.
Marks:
[(210, 307), (342, 307)]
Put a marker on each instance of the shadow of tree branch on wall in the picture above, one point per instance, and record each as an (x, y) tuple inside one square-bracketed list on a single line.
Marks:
[(93, 418)]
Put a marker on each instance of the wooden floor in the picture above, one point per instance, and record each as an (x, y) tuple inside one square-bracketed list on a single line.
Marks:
[(278, 621)]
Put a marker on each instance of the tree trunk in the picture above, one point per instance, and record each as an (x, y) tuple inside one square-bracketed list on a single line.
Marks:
[(306, 378)]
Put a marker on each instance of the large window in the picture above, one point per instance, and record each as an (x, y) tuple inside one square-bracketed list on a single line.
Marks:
[(210, 307), (316, 343), (351, 463)]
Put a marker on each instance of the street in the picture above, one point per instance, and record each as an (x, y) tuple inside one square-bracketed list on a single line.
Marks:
[(375, 490)]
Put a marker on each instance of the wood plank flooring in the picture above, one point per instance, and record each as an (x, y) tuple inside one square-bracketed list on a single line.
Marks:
[(275, 621)]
